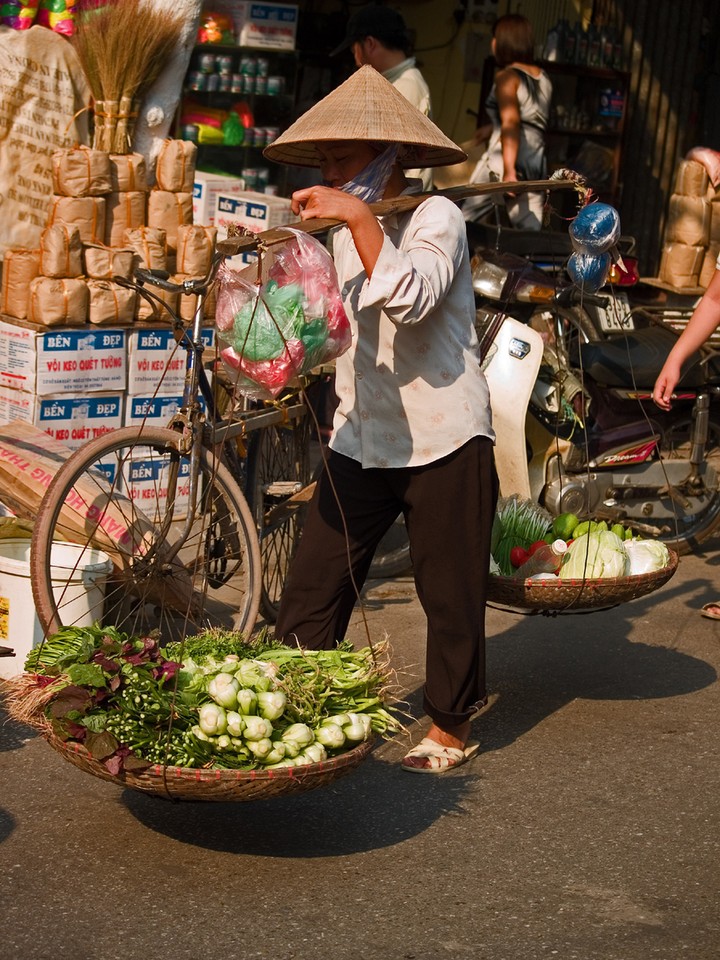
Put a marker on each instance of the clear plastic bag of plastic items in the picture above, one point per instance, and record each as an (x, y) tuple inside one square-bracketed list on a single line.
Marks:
[(284, 326)]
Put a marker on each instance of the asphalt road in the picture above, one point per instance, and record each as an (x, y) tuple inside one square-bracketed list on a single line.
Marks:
[(587, 828)]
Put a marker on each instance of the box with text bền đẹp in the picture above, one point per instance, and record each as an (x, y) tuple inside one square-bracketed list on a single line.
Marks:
[(73, 420), (62, 361), (145, 479), (205, 190), (269, 26), (254, 211), (156, 364), (153, 411)]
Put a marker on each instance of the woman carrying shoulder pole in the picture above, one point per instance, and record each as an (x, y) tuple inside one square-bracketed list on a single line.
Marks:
[(412, 432)]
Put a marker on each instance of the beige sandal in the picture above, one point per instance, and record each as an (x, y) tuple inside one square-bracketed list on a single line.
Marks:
[(707, 610), (440, 759)]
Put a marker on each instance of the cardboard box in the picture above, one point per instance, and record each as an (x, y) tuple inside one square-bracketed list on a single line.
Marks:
[(72, 420), (205, 190), (62, 360), (255, 211), (680, 264), (271, 26), (152, 411), (144, 483), (155, 361), (691, 179), (689, 220), (709, 264)]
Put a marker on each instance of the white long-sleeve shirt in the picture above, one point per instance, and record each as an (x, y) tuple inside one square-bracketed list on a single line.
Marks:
[(410, 387)]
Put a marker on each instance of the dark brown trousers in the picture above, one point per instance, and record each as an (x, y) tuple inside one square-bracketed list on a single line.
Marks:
[(449, 507)]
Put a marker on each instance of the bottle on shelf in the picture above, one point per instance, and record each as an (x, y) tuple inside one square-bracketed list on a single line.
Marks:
[(552, 50), (568, 45), (546, 559), (594, 53), (581, 44)]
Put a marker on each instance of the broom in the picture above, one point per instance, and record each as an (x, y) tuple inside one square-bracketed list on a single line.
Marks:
[(123, 47)]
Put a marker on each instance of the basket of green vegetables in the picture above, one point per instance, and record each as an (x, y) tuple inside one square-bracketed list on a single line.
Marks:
[(212, 718), (601, 567)]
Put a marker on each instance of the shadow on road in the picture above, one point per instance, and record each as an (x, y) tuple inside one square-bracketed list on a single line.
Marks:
[(372, 807), (537, 665)]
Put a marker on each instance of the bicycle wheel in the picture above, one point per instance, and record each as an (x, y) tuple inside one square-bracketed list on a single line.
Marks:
[(278, 467), (392, 557), (174, 569)]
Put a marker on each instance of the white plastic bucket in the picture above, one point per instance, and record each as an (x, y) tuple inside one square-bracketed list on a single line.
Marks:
[(78, 576)]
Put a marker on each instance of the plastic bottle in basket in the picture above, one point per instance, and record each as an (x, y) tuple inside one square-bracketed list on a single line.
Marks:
[(546, 559)]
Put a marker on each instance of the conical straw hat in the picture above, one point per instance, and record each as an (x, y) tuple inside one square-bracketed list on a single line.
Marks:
[(365, 107)]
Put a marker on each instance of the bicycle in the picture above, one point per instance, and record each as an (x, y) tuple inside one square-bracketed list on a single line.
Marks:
[(198, 519)]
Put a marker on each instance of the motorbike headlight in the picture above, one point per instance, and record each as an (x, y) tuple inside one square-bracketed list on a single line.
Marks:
[(488, 279)]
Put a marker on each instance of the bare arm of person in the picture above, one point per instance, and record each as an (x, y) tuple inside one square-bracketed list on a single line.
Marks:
[(700, 327), (506, 86), (327, 202)]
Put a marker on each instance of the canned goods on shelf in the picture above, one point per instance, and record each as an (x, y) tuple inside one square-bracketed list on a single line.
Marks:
[(275, 85), (213, 81), (271, 133), (263, 177), (206, 62), (263, 66), (224, 64), (248, 83), (250, 176), (197, 80), (248, 66), (189, 131), (260, 84), (236, 83), (225, 83)]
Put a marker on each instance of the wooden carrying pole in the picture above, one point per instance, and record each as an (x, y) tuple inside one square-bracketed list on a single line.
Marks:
[(244, 244)]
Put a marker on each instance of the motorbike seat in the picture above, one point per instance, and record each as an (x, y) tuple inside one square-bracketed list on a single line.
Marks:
[(635, 359)]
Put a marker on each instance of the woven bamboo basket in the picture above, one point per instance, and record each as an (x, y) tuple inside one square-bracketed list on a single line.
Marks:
[(206, 784), (574, 596), (182, 783)]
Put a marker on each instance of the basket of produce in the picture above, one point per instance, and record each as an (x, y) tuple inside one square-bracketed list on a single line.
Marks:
[(212, 718), (564, 564)]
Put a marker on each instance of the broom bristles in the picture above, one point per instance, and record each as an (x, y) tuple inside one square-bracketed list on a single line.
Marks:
[(124, 47)]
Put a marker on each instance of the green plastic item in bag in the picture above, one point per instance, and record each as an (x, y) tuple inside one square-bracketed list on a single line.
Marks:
[(265, 324)]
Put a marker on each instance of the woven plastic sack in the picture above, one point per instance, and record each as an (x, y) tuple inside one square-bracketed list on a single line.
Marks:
[(287, 324)]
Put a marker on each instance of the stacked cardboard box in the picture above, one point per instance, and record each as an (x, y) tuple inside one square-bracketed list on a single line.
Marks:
[(688, 242), (69, 382)]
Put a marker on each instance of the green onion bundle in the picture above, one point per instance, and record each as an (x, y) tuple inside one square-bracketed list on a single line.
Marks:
[(518, 523)]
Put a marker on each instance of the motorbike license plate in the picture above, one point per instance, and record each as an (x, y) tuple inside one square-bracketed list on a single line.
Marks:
[(616, 316)]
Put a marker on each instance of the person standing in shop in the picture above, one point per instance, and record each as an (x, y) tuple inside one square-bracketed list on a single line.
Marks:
[(377, 36), (518, 108), (412, 432)]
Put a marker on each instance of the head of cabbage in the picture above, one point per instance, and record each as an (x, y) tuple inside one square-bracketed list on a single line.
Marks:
[(646, 556), (594, 556)]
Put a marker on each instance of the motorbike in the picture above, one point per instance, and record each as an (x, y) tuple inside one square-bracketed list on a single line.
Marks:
[(576, 429), (578, 433)]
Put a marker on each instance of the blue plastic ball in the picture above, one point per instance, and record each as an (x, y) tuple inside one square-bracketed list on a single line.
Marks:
[(589, 271), (595, 229)]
